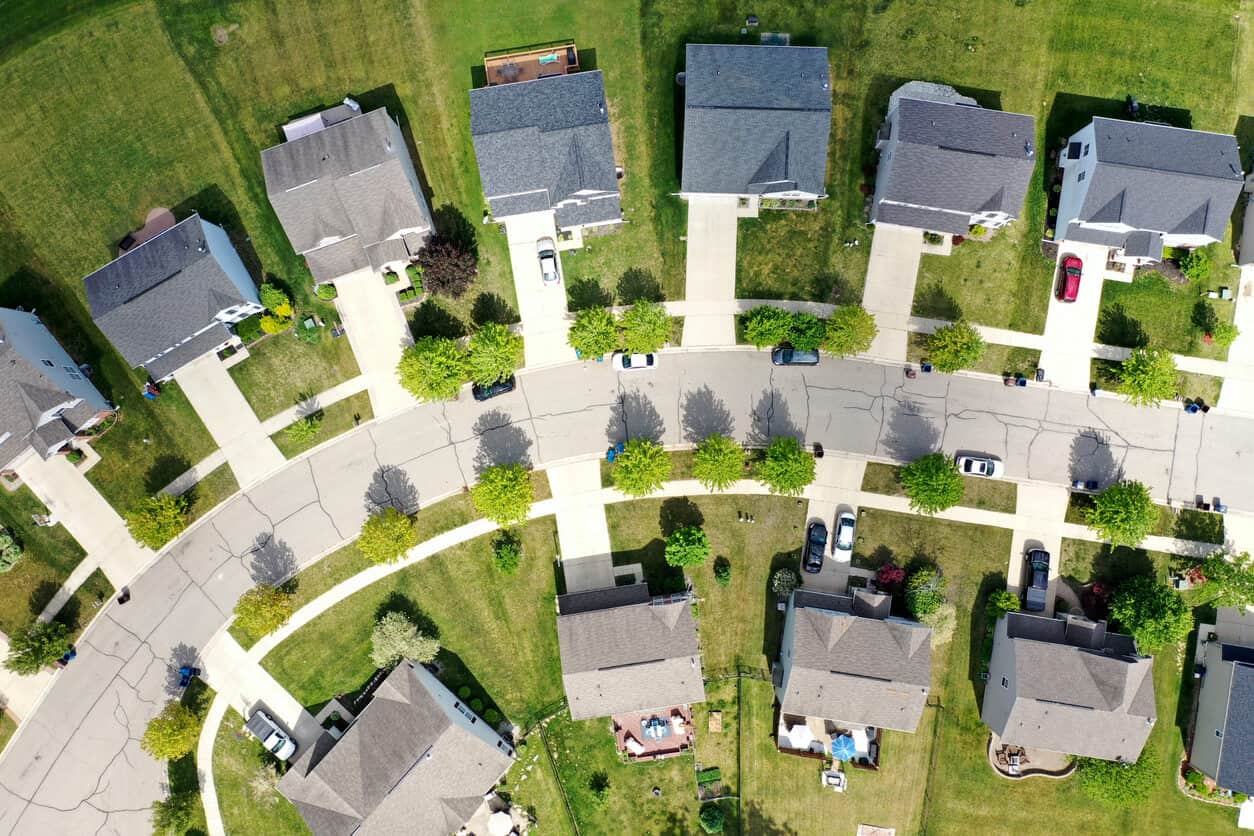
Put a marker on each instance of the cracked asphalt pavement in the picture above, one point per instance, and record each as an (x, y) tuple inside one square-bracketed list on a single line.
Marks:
[(76, 766)]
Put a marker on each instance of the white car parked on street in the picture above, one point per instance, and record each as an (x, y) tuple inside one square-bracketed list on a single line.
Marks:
[(989, 467), (623, 362)]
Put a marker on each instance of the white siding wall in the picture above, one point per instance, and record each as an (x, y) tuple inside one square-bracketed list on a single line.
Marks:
[(407, 163), (886, 162), (30, 338), (226, 256), (999, 699), (1212, 711), (449, 700), (785, 652), (1073, 188)]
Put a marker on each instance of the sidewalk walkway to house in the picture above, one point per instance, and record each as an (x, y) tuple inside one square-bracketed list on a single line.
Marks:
[(583, 534), (891, 274), (711, 269), (229, 419), (541, 307), (378, 332)]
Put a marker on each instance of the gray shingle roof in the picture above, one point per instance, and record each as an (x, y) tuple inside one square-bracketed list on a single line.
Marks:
[(160, 293), (198, 346), (628, 656), (403, 767), (1164, 179), (918, 217), (954, 156), (541, 142), (1236, 753), (595, 211), (347, 181), (852, 669), (753, 116), (1078, 689)]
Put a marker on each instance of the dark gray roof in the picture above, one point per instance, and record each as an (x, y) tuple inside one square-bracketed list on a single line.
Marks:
[(1138, 243), (1078, 688), (403, 766), (756, 119), (195, 348), (1236, 749), (160, 293), (334, 260), (541, 142), (957, 157), (1155, 177), (918, 217), (594, 211), (628, 656), (347, 181), (848, 668), (600, 599)]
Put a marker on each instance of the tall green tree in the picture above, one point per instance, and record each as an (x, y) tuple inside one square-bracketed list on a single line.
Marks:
[(263, 609), (504, 494), (687, 546), (157, 520), (718, 463), (955, 346), (495, 353), (642, 468), (395, 637), (932, 483), (172, 733), (850, 330), (433, 368), (1229, 579), (175, 815), (806, 331), (37, 646), (594, 333), (386, 536), (788, 468), (766, 325), (1124, 513), (646, 327), (1151, 612), (1148, 376)]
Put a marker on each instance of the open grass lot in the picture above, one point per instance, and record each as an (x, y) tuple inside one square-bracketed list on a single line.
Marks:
[(1153, 310), (283, 369), (339, 417), (532, 784), (239, 765), (210, 491)]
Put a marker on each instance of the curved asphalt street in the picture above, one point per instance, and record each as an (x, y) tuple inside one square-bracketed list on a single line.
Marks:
[(76, 766)]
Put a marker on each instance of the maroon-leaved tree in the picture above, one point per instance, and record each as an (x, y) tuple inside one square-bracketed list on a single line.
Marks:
[(447, 267)]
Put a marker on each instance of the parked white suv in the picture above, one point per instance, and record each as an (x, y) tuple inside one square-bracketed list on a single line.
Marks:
[(275, 740), (550, 273)]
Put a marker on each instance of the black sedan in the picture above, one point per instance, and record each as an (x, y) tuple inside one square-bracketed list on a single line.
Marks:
[(816, 547)]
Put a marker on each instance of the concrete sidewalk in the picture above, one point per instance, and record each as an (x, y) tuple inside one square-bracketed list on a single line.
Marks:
[(378, 333), (229, 419), (891, 274), (583, 535), (711, 268), (322, 400), (541, 307)]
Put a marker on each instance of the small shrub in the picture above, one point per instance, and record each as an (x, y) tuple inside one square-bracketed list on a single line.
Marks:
[(391, 277), (10, 551), (687, 546), (249, 329), (1119, 784), (925, 592), (492, 716), (722, 571), (447, 268), (712, 818), (414, 272), (263, 609), (158, 520), (507, 554), (395, 637), (999, 603), (326, 292), (784, 581), (1198, 263), (476, 705), (464, 692), (302, 430), (599, 786), (1225, 334), (889, 576), (175, 815), (977, 230), (272, 324), (275, 299), (1204, 317)]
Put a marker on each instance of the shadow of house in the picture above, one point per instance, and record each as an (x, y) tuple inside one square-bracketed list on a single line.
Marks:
[(772, 617), (980, 650), (501, 441), (391, 487), (771, 419), (705, 414), (634, 416), (387, 97), (911, 433), (272, 561), (214, 206)]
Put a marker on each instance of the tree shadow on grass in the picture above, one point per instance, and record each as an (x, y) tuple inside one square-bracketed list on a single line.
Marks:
[(980, 649), (431, 319), (705, 414), (661, 577), (772, 618), (679, 512), (585, 293), (1115, 326), (450, 223), (935, 302), (164, 470), (70, 611), (638, 285), (491, 307), (1202, 526), (406, 606), (1113, 565)]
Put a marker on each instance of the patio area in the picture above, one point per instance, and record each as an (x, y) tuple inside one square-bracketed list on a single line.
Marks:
[(528, 64), (1015, 762), (652, 735), (818, 738)]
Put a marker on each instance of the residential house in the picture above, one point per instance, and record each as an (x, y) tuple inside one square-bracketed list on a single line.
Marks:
[(756, 121), (345, 189), (632, 657), (169, 300), (45, 398), (416, 760), (947, 164), (1223, 732), (1068, 685), (848, 668), (544, 145), (1136, 188)]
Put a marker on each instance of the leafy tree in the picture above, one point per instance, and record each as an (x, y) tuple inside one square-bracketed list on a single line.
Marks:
[(1118, 783), (1229, 579), (999, 603), (386, 536), (1204, 316), (395, 637), (10, 551), (594, 332), (1197, 264), (787, 468), (925, 592), (932, 483), (889, 575), (275, 300), (158, 520), (687, 546), (172, 733), (263, 609), (766, 325), (326, 292), (303, 430), (806, 331), (507, 553), (711, 818), (641, 468), (447, 267), (504, 493), (646, 327), (722, 571), (955, 346), (1225, 334), (495, 352), (719, 462), (850, 330), (174, 815), (1148, 376), (40, 644), (599, 785), (275, 324), (433, 368), (784, 581), (1151, 612), (1124, 513)]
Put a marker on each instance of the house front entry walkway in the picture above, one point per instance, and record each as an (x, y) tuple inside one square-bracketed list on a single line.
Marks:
[(889, 293), (229, 419), (711, 268), (378, 332)]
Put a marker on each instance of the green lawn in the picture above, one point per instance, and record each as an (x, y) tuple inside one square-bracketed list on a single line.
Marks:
[(50, 556), (997, 359), (1186, 524), (1153, 310), (987, 494), (532, 784), (339, 417), (8, 727), (182, 774), (282, 370), (241, 775), (210, 492)]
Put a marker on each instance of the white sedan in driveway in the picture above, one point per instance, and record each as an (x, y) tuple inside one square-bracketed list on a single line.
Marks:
[(623, 362), (549, 272), (989, 467)]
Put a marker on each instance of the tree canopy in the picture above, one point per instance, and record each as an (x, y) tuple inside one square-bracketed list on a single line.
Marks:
[(646, 327), (263, 609), (157, 520), (932, 483), (719, 462), (641, 468), (40, 644), (447, 267), (1229, 579), (806, 331), (395, 637), (171, 734), (1123, 513), (955, 346), (1148, 376), (788, 468), (495, 353), (766, 325), (433, 368), (504, 493), (594, 333), (1151, 612), (687, 546), (386, 536), (1118, 783), (925, 592), (850, 330)]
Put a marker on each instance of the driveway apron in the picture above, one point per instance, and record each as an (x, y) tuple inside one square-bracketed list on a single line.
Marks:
[(378, 333), (711, 269), (542, 307), (889, 293)]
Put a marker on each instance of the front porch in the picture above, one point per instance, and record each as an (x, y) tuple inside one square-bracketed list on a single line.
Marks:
[(653, 735)]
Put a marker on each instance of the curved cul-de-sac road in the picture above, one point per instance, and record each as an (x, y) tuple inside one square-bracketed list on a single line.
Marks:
[(76, 766)]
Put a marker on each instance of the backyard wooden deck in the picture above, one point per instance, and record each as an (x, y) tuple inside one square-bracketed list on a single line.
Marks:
[(530, 64)]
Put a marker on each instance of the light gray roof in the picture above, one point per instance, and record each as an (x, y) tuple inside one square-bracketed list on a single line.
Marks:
[(1236, 748), (1164, 179), (403, 767), (756, 119), (854, 669), (542, 142), (1078, 688), (954, 156), (347, 181), (628, 656), (160, 293)]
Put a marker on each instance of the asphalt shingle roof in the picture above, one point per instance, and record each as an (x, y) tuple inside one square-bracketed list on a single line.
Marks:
[(628, 656), (542, 142), (1236, 758), (756, 119)]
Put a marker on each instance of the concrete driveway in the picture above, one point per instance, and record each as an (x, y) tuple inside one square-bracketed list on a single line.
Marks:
[(1039, 515), (378, 332), (229, 419), (583, 535), (889, 293), (1070, 326), (542, 307), (711, 269)]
